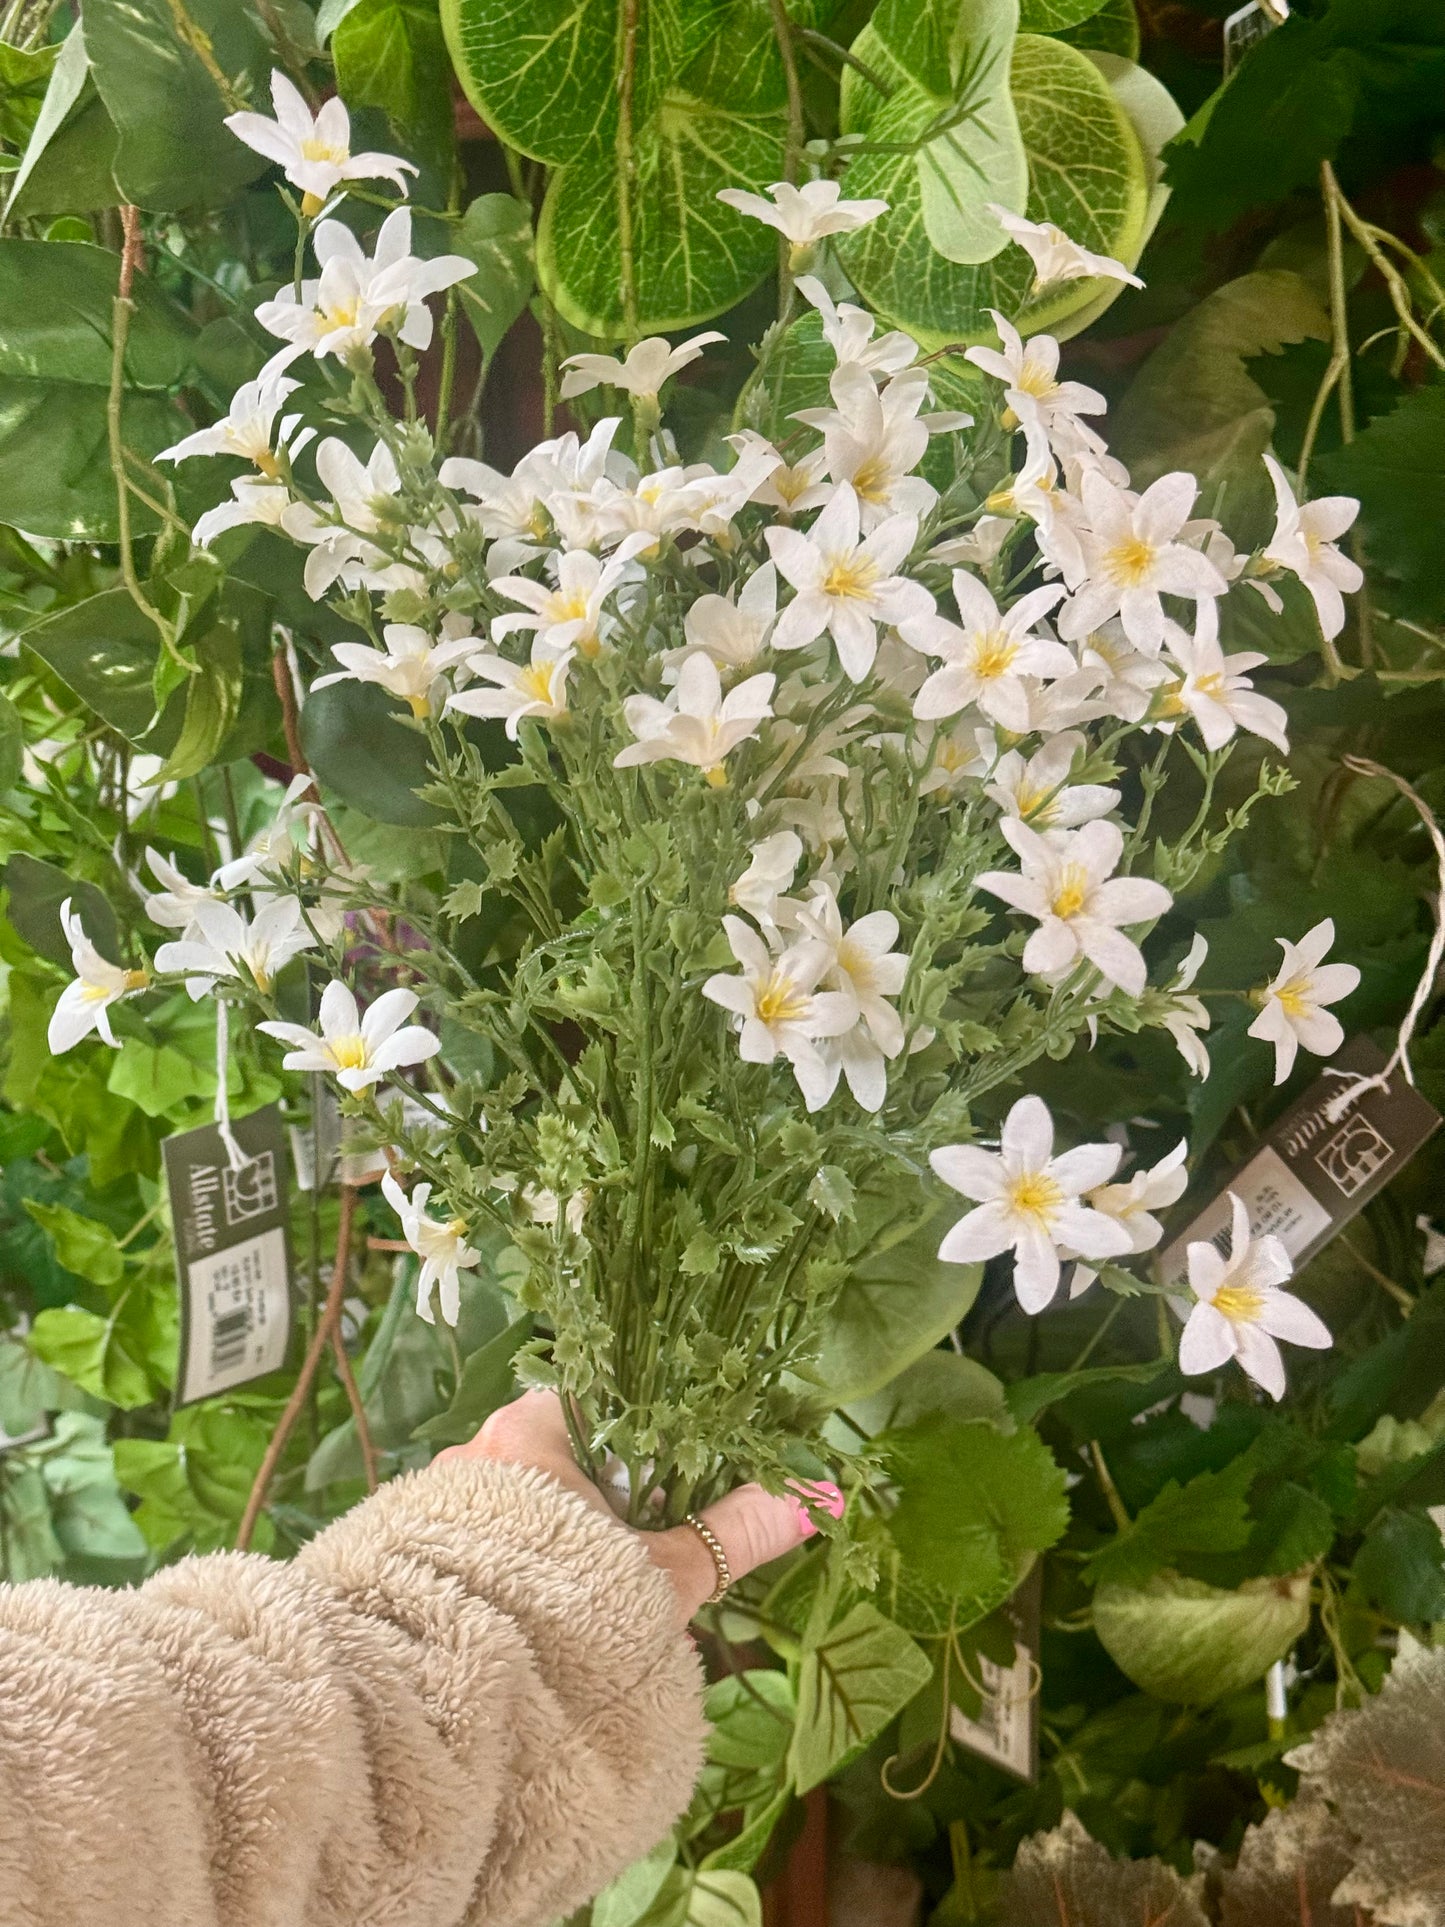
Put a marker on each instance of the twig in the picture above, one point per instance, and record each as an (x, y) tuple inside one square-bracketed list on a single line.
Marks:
[(1110, 1490), (290, 715), (320, 1339), (1398, 288), (792, 152), (358, 1409)]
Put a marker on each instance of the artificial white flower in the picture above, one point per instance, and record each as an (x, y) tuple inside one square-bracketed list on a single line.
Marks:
[(1029, 371), (850, 332), (1133, 555), (314, 150), (1215, 690), (1037, 788), (1030, 1202), (537, 688), (355, 297), (173, 906), (1133, 1204), (1305, 534), (364, 502), (986, 655), (1188, 1015), (697, 724), (221, 943), (1067, 881), (1127, 678), (412, 665), (846, 585), (874, 441), (263, 503), (733, 633), (569, 616), (358, 1051), (772, 865), (955, 756), (791, 487), (779, 1007), (517, 511), (1054, 255), (85, 1004), (285, 844), (544, 1207), (804, 215), (1293, 1004), (442, 1248), (1240, 1311), (864, 965), (247, 429), (647, 367)]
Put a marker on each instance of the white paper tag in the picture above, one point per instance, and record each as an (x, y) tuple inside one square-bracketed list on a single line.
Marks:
[(1005, 1730), (230, 1231), (1277, 1203)]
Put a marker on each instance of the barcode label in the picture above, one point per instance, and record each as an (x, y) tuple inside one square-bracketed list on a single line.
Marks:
[(240, 1315), (1002, 1729)]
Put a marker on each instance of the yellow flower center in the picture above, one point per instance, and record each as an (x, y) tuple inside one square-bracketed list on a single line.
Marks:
[(781, 1001), (419, 706), (1240, 1303), (1292, 1000), (1034, 1195), (1071, 892), (791, 482), (1210, 685), (536, 682), (313, 149), (1130, 561), (1035, 802), (870, 480), (993, 655), (716, 776), (342, 316), (850, 578), (567, 608), (1033, 380), (268, 464), (348, 1053)]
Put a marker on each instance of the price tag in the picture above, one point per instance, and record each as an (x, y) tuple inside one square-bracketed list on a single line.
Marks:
[(231, 1256), (1005, 1730), (1311, 1175), (1248, 24)]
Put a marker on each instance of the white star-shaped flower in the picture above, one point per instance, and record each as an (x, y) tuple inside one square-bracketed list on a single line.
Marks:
[(1240, 1311), (1188, 1015), (1054, 255), (221, 943), (1305, 534), (850, 332), (804, 215), (780, 1010), (1215, 689), (647, 367), (412, 665), (1029, 372), (986, 655), (846, 584), (356, 1050), (85, 1004), (1133, 555), (1133, 1204), (442, 1248), (1030, 1202), (314, 150), (1293, 1005), (537, 688), (1037, 788), (1066, 880), (697, 724), (356, 297), (247, 429)]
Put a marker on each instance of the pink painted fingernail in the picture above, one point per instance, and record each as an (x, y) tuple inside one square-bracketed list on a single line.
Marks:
[(824, 1495), (807, 1524)]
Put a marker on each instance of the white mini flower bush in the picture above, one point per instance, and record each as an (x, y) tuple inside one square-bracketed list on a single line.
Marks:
[(803, 802)]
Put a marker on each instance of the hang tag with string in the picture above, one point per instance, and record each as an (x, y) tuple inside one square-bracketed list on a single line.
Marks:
[(228, 1196), (1249, 24), (1003, 1676)]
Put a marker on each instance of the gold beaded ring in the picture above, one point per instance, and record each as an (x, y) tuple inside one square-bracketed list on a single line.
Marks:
[(719, 1558)]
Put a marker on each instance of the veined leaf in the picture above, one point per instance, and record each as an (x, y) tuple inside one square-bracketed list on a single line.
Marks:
[(1114, 29), (1054, 16), (1065, 1879), (849, 1686), (693, 256), (543, 74), (1086, 173), (390, 54), (1182, 1640), (1288, 1870), (496, 233)]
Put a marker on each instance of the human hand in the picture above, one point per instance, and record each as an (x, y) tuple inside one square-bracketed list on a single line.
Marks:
[(751, 1525)]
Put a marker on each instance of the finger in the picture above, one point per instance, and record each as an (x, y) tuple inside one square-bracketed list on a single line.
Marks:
[(531, 1430), (753, 1526)]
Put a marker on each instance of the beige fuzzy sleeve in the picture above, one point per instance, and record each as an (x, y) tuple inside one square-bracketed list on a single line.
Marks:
[(466, 1704)]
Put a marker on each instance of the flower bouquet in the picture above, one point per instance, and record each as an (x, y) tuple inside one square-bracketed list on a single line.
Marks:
[(799, 801)]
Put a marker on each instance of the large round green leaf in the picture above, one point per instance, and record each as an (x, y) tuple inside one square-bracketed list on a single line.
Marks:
[(1087, 173), (1180, 1639), (357, 747), (543, 74), (693, 256)]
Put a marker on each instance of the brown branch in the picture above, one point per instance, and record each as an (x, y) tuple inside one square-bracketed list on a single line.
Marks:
[(358, 1410), (320, 1338), (290, 715)]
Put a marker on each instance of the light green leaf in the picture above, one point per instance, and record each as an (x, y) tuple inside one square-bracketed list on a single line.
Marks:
[(90, 1518), (82, 1245), (1086, 173), (496, 233), (12, 744), (751, 1716), (103, 1356), (543, 73), (941, 1384), (157, 1078), (1053, 16), (1180, 1639), (1113, 29), (156, 78), (213, 702), (631, 1894), (29, 1548), (954, 60), (849, 1686), (723, 1899), (694, 257), (897, 1304), (745, 1849)]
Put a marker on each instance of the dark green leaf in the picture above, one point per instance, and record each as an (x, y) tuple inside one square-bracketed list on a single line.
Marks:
[(1401, 1566), (358, 750), (496, 233), (1397, 469), (390, 54), (896, 1305), (487, 1381), (37, 891)]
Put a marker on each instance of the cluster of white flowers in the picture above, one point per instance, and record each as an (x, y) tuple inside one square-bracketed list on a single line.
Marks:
[(789, 624)]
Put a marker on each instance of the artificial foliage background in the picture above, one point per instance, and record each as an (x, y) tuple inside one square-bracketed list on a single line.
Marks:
[(574, 150)]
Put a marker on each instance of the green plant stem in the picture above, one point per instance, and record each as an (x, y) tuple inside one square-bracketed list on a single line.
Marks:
[(793, 151), (1111, 1492), (626, 85), (122, 308)]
